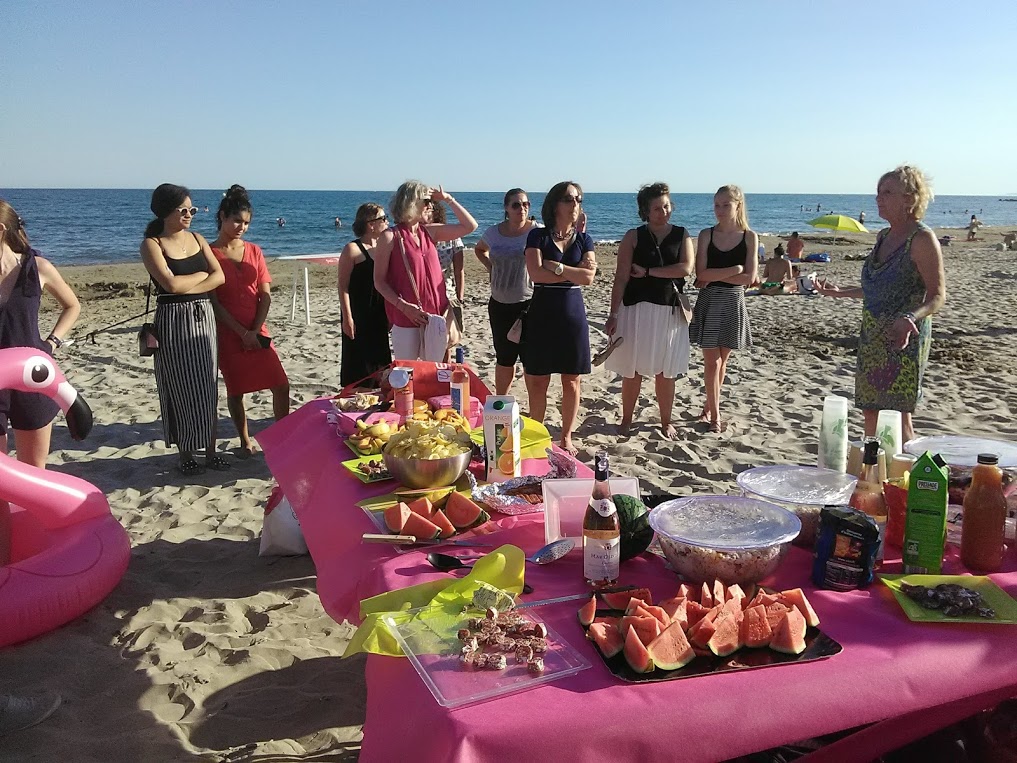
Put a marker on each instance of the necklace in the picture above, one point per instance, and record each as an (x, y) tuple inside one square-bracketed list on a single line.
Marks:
[(563, 236)]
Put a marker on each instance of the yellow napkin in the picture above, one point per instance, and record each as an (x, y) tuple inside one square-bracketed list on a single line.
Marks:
[(502, 568)]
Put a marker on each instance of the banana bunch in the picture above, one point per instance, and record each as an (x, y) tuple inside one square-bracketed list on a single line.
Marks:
[(370, 439)]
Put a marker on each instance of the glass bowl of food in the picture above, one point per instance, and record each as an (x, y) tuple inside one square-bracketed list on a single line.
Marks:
[(727, 538)]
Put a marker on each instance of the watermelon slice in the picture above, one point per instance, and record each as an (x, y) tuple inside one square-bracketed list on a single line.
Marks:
[(421, 528), (671, 606), (775, 613), (701, 633), (439, 518), (766, 599), (660, 614), (633, 605), (756, 631), (588, 612), (635, 653), (396, 516), (620, 599), (789, 635), (726, 639), (607, 638), (422, 506), (464, 513), (671, 649), (437, 495), (684, 591), (735, 592), (611, 622), (706, 596), (796, 598), (719, 593), (646, 628), (695, 611)]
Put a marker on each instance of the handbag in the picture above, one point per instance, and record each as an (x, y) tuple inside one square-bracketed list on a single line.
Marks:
[(515, 332), (148, 337), (455, 328)]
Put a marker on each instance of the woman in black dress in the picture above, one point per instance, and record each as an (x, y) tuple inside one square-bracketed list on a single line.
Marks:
[(365, 326), (556, 337)]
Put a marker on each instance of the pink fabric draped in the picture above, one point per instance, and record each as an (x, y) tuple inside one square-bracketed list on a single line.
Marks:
[(426, 269)]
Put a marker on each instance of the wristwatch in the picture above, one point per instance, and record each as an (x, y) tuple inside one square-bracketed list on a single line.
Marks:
[(559, 268), (57, 341), (911, 317)]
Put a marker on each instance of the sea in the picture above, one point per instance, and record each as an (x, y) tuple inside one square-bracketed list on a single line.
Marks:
[(100, 226)]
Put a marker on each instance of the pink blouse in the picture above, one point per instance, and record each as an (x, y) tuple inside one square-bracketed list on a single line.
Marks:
[(426, 269)]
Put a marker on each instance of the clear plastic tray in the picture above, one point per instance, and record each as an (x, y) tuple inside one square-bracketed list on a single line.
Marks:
[(724, 522), (959, 450), (429, 639), (565, 504), (806, 485)]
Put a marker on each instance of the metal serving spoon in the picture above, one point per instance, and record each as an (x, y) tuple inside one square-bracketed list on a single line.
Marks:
[(552, 552)]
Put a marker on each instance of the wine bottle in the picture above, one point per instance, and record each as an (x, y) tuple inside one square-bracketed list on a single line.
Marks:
[(868, 493), (601, 531)]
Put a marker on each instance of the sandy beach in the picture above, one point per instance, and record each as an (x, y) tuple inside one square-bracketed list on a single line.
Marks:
[(206, 651)]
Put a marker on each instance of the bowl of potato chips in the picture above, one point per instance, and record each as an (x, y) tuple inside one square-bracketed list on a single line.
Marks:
[(428, 454)]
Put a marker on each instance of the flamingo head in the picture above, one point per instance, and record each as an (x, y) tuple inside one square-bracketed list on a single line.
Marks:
[(30, 370)]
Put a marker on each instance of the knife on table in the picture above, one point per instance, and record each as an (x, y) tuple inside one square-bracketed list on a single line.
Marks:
[(574, 597), (412, 540)]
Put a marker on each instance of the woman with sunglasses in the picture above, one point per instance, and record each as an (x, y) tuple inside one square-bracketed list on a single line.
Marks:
[(647, 306), (185, 272), (726, 262), (502, 250), (365, 324), (556, 336), (247, 359), (407, 272)]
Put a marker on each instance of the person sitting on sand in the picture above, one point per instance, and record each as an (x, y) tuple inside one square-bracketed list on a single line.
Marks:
[(778, 276), (973, 227), (795, 247)]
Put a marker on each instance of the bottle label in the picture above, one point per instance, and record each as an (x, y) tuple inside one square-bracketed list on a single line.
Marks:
[(601, 558), (603, 506), (457, 398)]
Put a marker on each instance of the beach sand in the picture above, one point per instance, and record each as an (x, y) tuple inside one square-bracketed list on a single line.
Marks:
[(207, 651)]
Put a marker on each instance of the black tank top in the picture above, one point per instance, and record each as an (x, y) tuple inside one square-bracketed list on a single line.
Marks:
[(648, 254), (19, 315), (184, 266), (365, 301), (718, 258)]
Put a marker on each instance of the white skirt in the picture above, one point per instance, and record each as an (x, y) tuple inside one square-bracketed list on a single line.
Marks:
[(656, 341)]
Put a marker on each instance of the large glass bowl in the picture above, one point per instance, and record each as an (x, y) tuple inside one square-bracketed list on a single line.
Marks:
[(427, 472), (726, 538)]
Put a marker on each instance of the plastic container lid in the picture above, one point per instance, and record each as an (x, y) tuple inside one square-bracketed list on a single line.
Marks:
[(961, 451), (399, 378), (806, 485), (724, 522)]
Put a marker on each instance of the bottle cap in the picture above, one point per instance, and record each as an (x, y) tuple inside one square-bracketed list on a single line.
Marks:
[(601, 470), (460, 355), (398, 378), (499, 404), (988, 458), (871, 452)]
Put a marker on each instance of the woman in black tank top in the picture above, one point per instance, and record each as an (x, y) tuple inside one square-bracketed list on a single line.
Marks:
[(726, 263)]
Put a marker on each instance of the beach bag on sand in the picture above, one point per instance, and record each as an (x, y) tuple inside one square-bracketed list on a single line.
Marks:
[(148, 339), (281, 534)]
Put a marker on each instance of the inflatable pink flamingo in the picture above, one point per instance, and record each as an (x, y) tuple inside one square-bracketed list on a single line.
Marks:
[(67, 550)]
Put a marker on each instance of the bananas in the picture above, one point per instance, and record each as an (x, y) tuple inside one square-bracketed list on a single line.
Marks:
[(370, 439)]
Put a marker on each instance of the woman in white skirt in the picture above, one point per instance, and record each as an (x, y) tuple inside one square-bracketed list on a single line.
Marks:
[(648, 308)]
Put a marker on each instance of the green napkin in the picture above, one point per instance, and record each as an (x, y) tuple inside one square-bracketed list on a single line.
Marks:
[(503, 568)]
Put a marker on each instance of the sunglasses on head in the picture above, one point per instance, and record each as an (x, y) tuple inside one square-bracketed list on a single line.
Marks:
[(571, 200), (189, 211), (520, 205)]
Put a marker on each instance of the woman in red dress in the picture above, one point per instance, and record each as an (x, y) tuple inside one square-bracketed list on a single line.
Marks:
[(247, 358)]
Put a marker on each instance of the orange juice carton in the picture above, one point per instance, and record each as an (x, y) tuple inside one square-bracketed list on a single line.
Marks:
[(502, 430)]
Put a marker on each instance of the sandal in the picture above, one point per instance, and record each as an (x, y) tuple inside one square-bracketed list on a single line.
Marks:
[(601, 357), (218, 463), (190, 467)]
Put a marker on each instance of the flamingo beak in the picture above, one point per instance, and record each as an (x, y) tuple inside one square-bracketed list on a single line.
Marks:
[(79, 415)]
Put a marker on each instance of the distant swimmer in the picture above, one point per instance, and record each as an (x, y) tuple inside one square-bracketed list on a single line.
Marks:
[(818, 207), (338, 223), (280, 221), (206, 207), (861, 217)]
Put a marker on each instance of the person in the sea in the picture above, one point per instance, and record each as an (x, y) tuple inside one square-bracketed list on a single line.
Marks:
[(861, 217), (903, 285)]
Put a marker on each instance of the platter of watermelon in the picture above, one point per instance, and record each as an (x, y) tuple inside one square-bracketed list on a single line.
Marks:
[(703, 630)]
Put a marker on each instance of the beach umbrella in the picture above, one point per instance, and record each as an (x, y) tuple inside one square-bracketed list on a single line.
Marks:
[(839, 223)]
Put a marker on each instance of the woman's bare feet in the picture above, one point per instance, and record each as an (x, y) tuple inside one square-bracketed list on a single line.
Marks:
[(246, 451), (625, 427), (669, 432), (567, 446)]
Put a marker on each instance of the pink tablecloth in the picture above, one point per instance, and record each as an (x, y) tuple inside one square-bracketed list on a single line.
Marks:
[(918, 676)]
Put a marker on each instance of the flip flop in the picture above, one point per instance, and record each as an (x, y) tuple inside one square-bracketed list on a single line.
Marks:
[(604, 354)]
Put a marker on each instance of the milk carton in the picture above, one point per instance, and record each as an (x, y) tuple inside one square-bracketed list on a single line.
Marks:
[(925, 525), (502, 430)]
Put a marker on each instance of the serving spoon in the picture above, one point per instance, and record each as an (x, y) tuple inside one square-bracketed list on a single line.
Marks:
[(552, 552)]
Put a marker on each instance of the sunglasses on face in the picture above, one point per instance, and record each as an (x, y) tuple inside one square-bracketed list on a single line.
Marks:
[(188, 211), (571, 200), (378, 219), (520, 205)]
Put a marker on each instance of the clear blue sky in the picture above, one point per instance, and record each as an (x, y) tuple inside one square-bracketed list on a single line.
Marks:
[(775, 96)]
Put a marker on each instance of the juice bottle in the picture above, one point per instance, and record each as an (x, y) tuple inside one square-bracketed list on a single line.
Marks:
[(459, 387), (984, 517), (601, 531), (868, 494), (401, 380)]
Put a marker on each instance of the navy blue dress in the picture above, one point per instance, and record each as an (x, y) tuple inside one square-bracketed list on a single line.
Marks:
[(556, 336)]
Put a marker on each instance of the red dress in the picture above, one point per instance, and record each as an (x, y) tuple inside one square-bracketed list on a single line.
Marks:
[(245, 370)]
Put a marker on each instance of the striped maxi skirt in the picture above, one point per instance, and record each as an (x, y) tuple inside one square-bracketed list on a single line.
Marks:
[(720, 319), (186, 371)]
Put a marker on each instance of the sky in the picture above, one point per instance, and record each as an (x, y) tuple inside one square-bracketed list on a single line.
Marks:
[(778, 97)]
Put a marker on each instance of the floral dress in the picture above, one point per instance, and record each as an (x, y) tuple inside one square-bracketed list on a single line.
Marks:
[(885, 377)]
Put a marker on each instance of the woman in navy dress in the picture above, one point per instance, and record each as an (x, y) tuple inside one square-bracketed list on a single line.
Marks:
[(556, 336)]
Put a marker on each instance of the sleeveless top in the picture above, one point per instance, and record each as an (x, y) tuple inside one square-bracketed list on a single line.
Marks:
[(426, 270), (365, 301), (718, 258), (893, 287), (649, 254), (19, 314), (182, 267)]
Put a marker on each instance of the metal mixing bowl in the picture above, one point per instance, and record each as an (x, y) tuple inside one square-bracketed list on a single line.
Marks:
[(427, 472)]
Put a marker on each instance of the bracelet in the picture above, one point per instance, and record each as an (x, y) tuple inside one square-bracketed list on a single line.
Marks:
[(57, 341), (911, 317)]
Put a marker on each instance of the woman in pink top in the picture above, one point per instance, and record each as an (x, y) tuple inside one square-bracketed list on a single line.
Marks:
[(406, 257)]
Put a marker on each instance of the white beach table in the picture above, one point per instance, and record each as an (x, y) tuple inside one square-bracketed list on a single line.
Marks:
[(328, 258)]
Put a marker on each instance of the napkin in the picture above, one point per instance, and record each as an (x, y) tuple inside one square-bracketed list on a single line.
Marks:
[(502, 568)]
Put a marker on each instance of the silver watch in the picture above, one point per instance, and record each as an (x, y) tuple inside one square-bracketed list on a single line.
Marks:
[(559, 268)]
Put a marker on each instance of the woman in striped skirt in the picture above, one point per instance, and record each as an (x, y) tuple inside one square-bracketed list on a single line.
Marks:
[(185, 272), (725, 264)]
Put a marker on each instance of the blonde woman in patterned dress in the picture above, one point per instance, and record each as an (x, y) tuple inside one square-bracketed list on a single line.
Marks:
[(903, 285)]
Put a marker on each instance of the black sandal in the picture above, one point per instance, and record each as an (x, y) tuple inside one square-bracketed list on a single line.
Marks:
[(218, 463), (190, 467)]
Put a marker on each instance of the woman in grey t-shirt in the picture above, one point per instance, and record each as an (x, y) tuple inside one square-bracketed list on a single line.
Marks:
[(502, 250)]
